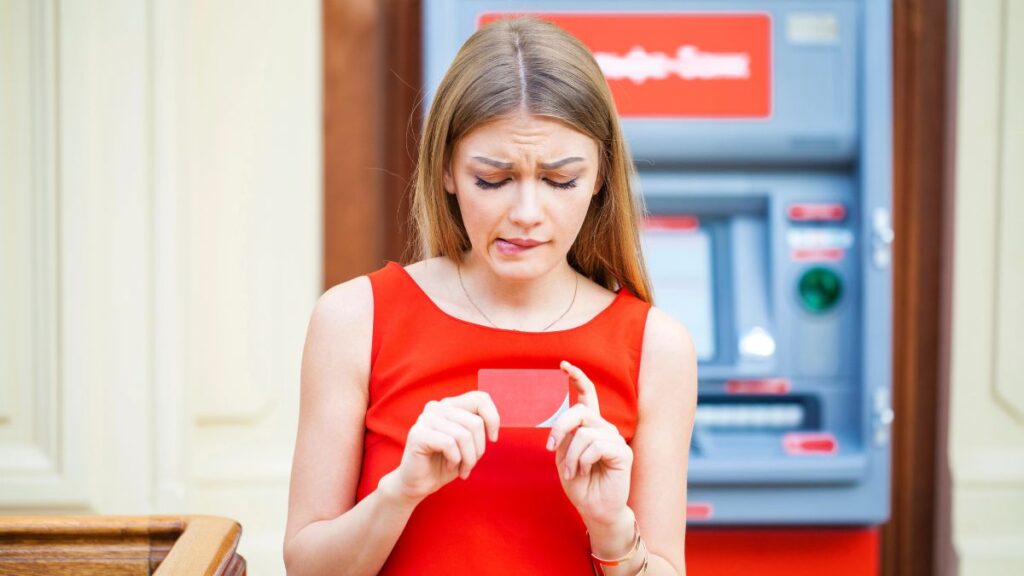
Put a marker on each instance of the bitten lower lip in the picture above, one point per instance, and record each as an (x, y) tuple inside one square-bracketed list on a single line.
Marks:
[(509, 248)]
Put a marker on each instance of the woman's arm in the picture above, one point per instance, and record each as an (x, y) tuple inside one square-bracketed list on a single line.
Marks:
[(661, 445), (326, 534)]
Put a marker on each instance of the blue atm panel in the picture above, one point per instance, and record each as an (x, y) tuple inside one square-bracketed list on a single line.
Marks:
[(768, 234), (784, 417)]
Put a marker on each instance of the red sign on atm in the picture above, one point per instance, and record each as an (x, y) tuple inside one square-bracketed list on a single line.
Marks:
[(695, 65)]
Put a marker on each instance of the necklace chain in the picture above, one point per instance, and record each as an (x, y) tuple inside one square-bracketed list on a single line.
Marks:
[(489, 321)]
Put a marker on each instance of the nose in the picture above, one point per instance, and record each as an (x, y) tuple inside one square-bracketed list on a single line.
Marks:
[(526, 212)]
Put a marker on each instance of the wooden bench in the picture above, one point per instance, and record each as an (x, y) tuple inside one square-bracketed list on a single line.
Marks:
[(120, 545)]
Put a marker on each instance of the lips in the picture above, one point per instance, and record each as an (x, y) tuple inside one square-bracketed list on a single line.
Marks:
[(515, 246), (521, 242)]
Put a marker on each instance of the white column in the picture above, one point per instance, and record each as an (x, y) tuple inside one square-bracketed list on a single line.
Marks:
[(987, 378), (160, 232)]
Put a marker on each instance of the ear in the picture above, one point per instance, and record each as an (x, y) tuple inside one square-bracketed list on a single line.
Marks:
[(449, 182)]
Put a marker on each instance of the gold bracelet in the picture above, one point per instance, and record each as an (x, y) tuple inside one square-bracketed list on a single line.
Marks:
[(647, 556), (632, 549), (637, 544), (641, 572)]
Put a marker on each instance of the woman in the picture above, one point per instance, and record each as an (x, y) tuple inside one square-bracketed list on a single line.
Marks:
[(531, 259)]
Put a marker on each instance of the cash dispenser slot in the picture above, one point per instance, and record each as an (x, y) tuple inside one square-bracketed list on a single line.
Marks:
[(746, 440), (759, 413)]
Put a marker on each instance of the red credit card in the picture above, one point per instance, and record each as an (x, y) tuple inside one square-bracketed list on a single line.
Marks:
[(526, 398)]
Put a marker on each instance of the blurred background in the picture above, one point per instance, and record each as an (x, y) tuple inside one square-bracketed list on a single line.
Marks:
[(180, 180)]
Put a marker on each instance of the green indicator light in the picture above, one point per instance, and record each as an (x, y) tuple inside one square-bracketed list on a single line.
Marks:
[(820, 289)]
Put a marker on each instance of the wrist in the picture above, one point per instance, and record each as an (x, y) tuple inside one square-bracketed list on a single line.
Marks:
[(612, 537), (391, 493)]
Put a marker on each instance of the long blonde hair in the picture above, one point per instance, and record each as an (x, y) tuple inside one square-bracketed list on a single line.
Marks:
[(528, 64)]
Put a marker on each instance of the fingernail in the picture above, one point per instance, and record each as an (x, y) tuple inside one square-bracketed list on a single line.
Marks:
[(551, 443)]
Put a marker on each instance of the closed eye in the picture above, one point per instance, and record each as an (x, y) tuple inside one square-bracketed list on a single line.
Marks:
[(563, 185), (484, 184)]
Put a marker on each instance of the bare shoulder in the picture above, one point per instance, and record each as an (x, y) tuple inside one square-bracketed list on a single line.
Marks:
[(341, 328), (665, 334), (668, 357), (345, 305)]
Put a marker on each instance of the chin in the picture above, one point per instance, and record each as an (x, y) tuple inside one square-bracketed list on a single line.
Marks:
[(520, 269)]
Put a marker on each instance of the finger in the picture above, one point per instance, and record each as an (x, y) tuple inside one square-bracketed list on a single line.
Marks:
[(463, 438), (594, 453), (470, 421), (614, 452), (573, 418), (586, 389), (479, 402), (581, 441), (561, 452), (432, 442)]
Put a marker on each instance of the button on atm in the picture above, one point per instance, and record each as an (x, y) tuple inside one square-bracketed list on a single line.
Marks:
[(761, 133)]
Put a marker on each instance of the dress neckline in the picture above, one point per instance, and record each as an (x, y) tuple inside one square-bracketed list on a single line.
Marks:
[(619, 296)]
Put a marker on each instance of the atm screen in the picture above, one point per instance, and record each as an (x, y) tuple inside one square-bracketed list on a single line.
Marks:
[(679, 262)]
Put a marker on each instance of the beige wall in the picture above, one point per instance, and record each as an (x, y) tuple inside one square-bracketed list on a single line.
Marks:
[(986, 427), (160, 227)]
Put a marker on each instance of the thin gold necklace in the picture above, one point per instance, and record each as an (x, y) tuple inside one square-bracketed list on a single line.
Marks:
[(458, 266)]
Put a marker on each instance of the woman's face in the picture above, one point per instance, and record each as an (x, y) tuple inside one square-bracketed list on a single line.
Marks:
[(523, 184)]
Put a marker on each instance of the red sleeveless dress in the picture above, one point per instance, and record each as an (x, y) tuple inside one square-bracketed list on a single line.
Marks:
[(511, 516)]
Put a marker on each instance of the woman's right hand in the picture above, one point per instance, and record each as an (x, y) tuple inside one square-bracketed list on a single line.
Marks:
[(447, 440)]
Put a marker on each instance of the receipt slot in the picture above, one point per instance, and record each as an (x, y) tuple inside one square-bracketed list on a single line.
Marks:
[(761, 134)]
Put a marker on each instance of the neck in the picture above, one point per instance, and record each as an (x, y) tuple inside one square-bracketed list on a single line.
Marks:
[(527, 305)]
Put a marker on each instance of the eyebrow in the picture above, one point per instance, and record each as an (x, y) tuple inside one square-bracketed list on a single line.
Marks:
[(545, 166)]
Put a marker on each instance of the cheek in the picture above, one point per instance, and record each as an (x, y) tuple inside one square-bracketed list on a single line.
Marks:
[(573, 211), (478, 215)]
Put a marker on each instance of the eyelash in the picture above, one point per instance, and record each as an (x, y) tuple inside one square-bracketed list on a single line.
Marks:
[(484, 184)]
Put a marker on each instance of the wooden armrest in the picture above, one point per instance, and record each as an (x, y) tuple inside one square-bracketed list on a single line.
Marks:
[(206, 547), (128, 545)]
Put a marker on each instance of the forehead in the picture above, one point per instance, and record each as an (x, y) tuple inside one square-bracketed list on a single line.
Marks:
[(526, 135)]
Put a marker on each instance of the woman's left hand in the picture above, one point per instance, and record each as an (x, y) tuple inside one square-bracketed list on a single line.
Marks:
[(594, 462)]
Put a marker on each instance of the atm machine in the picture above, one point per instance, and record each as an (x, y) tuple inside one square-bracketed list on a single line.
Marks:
[(761, 131)]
